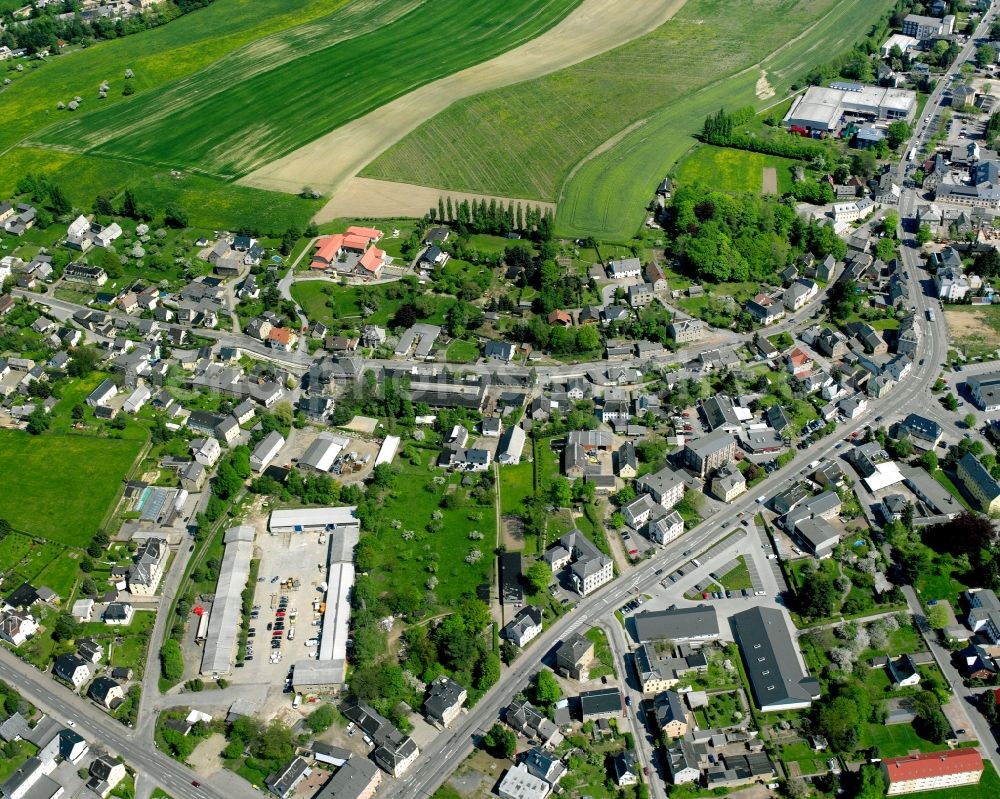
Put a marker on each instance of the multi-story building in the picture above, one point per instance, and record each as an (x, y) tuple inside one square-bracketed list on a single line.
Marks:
[(928, 27), (985, 390), (979, 482), (665, 486), (708, 453), (932, 771), (984, 613)]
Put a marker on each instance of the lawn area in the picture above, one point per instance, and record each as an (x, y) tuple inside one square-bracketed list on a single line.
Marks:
[(23, 559), (604, 663), (800, 752), (704, 50), (720, 711), (736, 171), (974, 329), (325, 301), (516, 485), (65, 483), (403, 564), (287, 75), (894, 740), (989, 785), (462, 351), (17, 752), (737, 578)]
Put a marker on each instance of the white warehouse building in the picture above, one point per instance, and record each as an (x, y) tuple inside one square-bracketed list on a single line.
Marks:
[(823, 108)]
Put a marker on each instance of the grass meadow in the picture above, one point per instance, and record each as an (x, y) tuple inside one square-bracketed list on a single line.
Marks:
[(326, 301), (285, 89), (735, 171), (412, 502), (210, 203), (60, 486), (599, 157)]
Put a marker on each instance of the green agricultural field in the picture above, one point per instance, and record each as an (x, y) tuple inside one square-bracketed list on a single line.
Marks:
[(156, 57), (604, 197), (599, 157), (64, 484), (736, 171), (282, 91)]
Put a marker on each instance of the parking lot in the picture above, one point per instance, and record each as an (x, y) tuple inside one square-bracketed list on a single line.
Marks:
[(285, 621)]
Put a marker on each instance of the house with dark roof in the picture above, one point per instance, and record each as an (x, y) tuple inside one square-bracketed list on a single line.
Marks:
[(602, 703), (524, 627), (73, 669), (575, 656), (526, 719), (394, 752), (283, 783), (698, 623), (444, 701)]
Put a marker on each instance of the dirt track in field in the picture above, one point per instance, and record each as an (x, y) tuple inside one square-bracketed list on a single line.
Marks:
[(330, 163), (770, 180)]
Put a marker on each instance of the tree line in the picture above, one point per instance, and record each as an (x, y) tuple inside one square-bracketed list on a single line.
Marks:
[(44, 29)]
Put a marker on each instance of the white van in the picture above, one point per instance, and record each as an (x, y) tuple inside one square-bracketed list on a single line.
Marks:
[(696, 562), (312, 642), (291, 633), (297, 701)]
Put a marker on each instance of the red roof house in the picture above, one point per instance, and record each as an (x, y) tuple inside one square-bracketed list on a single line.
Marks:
[(558, 317), (282, 338), (372, 261), (370, 233), (327, 251), (932, 770)]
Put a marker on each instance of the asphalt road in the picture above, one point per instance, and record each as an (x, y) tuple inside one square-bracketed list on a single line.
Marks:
[(100, 729), (455, 744)]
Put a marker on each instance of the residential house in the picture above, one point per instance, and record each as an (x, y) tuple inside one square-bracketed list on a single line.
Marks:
[(765, 310), (444, 702), (574, 657), (670, 714), (728, 483), (525, 719), (106, 692), (147, 567), (624, 269), (73, 669), (601, 703), (118, 614), (524, 627), (685, 330), (394, 752)]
